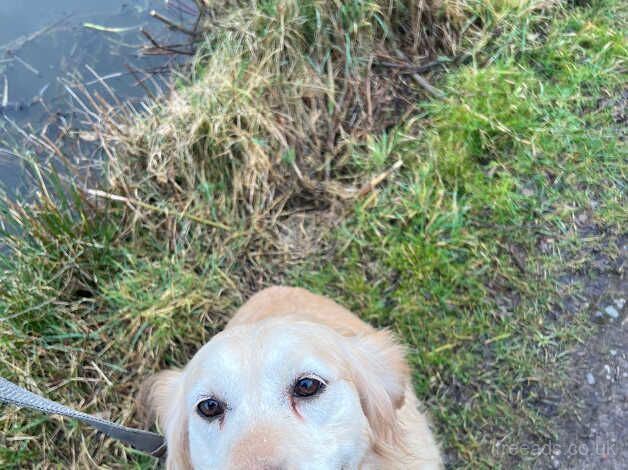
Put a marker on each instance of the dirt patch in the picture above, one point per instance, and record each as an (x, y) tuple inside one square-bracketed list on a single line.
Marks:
[(592, 427)]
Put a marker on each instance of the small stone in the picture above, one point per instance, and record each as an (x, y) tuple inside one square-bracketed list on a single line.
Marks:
[(599, 317), (613, 352), (612, 312), (620, 303), (590, 378)]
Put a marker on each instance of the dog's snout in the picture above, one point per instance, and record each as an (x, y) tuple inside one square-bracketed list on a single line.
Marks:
[(250, 464), (258, 450)]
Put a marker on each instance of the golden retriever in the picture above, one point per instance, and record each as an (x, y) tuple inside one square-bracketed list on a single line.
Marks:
[(294, 382)]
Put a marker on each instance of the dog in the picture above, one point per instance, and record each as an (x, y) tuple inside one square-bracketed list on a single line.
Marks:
[(294, 382)]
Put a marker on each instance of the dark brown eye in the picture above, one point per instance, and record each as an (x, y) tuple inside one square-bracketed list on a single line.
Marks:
[(210, 408), (307, 387)]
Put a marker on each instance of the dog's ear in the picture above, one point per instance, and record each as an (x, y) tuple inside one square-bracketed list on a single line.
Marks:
[(154, 401), (380, 373), (161, 401)]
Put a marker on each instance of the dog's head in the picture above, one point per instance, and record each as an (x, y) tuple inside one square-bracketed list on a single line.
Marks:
[(283, 395)]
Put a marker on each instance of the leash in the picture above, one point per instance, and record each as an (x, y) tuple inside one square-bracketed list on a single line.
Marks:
[(148, 442)]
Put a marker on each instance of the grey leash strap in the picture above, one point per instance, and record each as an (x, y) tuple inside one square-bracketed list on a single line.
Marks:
[(145, 441)]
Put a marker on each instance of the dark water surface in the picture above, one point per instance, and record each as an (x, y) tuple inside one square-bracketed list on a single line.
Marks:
[(47, 46)]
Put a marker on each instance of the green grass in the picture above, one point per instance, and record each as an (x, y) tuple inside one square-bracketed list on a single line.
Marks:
[(448, 253), (459, 251)]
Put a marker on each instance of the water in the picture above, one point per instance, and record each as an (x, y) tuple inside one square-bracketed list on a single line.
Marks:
[(47, 45)]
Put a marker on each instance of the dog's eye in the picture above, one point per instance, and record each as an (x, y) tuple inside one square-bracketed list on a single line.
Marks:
[(307, 387), (210, 408)]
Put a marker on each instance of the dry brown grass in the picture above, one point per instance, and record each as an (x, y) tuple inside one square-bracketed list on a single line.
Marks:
[(280, 96)]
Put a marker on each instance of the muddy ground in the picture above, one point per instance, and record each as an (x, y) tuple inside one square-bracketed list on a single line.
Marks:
[(592, 416)]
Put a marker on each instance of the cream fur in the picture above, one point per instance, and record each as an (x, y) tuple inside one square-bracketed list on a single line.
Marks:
[(367, 418)]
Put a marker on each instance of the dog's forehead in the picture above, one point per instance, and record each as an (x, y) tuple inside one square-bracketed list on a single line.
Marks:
[(274, 348), (271, 337)]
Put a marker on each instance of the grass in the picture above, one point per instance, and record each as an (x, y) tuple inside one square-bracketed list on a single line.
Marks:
[(256, 170)]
